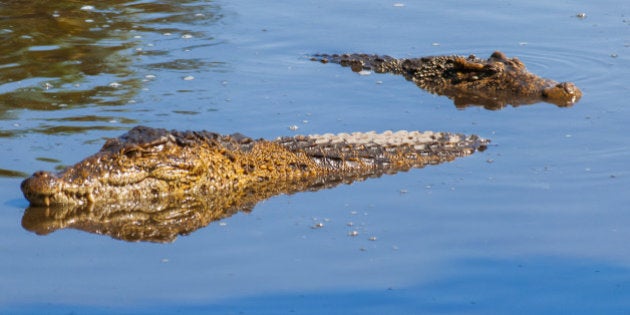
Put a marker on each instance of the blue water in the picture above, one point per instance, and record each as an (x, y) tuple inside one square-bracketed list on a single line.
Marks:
[(536, 224)]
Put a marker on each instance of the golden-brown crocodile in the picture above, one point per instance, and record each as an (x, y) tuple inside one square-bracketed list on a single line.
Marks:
[(493, 83), (153, 184)]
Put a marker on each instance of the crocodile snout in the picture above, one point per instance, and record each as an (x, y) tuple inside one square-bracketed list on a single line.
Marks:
[(40, 188), (563, 94)]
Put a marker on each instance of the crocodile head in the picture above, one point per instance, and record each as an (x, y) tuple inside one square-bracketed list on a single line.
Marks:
[(493, 82), (104, 173), (143, 162), (562, 94)]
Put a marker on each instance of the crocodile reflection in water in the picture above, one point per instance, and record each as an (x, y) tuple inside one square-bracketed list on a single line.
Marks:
[(154, 184), (493, 83)]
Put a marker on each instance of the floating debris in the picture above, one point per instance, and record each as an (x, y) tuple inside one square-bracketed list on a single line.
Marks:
[(318, 225)]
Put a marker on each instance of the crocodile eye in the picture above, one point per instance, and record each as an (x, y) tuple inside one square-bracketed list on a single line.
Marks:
[(132, 151)]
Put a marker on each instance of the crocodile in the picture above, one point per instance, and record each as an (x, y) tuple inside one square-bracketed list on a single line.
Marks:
[(155, 184), (492, 83)]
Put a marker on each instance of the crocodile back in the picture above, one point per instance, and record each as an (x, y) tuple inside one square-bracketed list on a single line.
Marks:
[(380, 153)]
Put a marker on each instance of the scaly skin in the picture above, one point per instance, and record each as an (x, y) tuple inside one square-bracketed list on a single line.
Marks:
[(148, 163), (153, 184), (492, 83)]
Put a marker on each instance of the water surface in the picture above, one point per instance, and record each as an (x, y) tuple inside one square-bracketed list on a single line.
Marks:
[(538, 223)]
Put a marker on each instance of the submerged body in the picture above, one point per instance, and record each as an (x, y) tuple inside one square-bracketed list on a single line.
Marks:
[(493, 83), (148, 163), (153, 184)]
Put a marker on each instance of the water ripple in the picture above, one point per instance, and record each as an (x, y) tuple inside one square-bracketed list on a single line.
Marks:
[(60, 55)]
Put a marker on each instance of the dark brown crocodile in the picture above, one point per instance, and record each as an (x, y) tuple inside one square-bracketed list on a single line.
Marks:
[(154, 184), (493, 83)]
